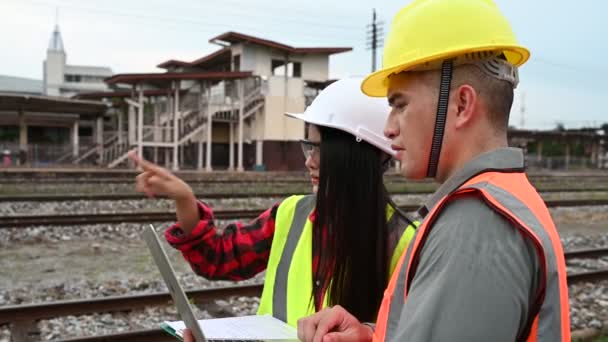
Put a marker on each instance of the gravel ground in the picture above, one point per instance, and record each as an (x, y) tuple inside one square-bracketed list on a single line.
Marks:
[(109, 206), (49, 263), (107, 323)]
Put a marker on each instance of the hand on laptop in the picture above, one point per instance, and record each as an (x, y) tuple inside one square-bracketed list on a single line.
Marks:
[(155, 180), (333, 325), (188, 336)]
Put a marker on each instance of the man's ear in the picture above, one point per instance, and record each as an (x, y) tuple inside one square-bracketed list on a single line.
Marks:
[(465, 100)]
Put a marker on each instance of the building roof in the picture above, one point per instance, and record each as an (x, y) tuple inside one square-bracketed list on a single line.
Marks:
[(235, 37), (568, 134), (120, 94), (20, 85), (221, 56), (88, 70), (172, 63), (49, 104), (164, 79)]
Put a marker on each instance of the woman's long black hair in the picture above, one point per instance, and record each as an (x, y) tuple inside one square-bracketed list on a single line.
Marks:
[(351, 205)]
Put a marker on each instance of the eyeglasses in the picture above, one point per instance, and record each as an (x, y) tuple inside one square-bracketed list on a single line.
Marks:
[(310, 148)]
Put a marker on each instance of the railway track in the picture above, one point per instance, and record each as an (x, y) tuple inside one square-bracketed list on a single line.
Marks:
[(194, 177), (86, 219), (147, 217), (23, 317), (136, 196)]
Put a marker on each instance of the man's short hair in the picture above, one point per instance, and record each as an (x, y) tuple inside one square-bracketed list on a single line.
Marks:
[(496, 94)]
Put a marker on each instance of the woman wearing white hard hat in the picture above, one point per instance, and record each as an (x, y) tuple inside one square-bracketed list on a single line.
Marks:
[(337, 246)]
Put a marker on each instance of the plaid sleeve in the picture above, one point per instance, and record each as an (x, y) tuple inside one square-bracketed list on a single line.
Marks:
[(236, 252)]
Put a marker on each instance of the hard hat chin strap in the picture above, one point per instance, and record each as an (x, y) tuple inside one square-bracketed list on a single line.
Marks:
[(442, 109)]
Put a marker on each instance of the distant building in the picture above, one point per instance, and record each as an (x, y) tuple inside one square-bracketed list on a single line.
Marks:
[(40, 124), (232, 99), (20, 85), (61, 79)]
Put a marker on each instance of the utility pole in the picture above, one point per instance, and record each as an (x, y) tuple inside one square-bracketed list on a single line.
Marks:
[(374, 37)]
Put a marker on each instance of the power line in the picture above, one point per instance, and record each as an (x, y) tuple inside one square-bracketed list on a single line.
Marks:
[(163, 19)]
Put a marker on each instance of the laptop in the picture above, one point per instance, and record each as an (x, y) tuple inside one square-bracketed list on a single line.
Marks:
[(183, 306)]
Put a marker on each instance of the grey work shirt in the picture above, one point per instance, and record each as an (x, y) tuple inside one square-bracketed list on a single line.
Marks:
[(477, 275)]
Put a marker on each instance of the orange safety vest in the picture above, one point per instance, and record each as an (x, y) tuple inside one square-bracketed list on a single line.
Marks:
[(511, 195)]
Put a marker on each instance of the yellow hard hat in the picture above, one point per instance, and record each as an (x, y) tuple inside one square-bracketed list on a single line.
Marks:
[(427, 31)]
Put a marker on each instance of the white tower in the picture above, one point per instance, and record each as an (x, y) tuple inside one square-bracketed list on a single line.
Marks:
[(54, 65)]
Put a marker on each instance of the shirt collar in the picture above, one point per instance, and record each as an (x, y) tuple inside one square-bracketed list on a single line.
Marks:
[(501, 160)]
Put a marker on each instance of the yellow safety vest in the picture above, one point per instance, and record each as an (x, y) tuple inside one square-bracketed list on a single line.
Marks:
[(286, 293)]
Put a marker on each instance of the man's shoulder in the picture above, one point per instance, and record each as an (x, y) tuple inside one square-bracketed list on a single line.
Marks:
[(468, 221)]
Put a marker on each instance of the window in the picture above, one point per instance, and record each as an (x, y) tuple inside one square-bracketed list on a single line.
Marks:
[(277, 67), (73, 78), (236, 63), (297, 69), (293, 69), (9, 133)]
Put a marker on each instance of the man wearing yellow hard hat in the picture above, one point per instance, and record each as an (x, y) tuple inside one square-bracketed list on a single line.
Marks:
[(487, 263)]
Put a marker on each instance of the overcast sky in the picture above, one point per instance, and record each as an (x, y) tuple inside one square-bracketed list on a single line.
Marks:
[(565, 81)]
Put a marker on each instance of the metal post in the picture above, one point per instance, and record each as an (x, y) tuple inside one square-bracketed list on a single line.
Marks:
[(241, 89), (157, 129), (99, 139), (208, 166), (140, 122), (23, 138), (176, 127), (131, 123), (75, 147), (231, 147), (199, 160), (120, 126)]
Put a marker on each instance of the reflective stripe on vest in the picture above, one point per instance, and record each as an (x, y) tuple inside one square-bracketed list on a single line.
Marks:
[(287, 293), (279, 298), (523, 206)]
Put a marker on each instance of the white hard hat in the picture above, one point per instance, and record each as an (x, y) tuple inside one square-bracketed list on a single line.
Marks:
[(343, 106)]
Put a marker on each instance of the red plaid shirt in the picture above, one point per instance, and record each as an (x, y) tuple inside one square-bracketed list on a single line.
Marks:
[(238, 251)]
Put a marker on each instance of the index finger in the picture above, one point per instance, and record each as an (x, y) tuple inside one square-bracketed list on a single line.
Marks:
[(146, 165)]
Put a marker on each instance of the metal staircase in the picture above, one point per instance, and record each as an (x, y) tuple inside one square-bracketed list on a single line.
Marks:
[(192, 121)]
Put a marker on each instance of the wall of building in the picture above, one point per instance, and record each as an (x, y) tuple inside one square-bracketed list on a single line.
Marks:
[(254, 58), (67, 80), (277, 126), (314, 67), (54, 70)]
